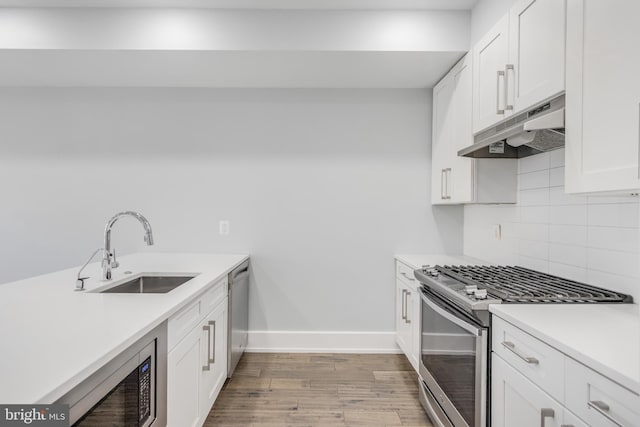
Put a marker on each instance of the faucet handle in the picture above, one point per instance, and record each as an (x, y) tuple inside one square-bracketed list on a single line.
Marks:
[(114, 261)]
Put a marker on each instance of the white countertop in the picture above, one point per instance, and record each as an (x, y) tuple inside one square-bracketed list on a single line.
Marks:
[(418, 260), (53, 337), (605, 337)]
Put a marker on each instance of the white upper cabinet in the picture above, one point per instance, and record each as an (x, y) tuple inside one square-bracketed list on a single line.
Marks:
[(456, 179), (603, 96), (520, 62), (490, 58), (452, 176), (536, 52)]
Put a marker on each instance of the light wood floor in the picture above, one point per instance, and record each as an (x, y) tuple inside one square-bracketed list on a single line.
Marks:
[(285, 389)]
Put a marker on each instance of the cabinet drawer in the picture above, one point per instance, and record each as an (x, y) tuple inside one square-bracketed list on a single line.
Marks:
[(537, 361), (598, 400), (186, 319), (405, 273), (214, 295)]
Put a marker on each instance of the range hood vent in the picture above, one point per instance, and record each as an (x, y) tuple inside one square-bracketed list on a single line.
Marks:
[(535, 131)]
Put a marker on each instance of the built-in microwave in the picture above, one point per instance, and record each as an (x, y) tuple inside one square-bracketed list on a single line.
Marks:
[(129, 391)]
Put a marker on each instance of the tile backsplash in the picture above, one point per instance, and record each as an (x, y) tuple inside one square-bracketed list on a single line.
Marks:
[(593, 239)]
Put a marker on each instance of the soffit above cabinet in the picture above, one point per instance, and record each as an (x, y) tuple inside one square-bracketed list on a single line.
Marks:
[(111, 68), (229, 48)]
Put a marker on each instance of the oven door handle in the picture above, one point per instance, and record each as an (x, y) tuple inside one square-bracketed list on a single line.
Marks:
[(451, 317)]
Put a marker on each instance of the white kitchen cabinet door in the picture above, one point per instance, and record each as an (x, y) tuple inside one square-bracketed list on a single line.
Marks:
[(535, 72), (490, 57), (403, 329), (603, 96), (416, 324), (213, 356), (570, 420), (441, 140), (452, 178), (184, 374), (516, 401)]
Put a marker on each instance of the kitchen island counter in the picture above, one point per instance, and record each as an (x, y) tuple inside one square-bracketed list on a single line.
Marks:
[(54, 337)]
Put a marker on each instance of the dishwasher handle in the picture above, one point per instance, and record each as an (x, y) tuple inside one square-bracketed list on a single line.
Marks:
[(240, 271)]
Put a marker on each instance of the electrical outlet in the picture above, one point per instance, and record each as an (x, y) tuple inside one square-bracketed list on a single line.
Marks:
[(497, 232), (224, 228)]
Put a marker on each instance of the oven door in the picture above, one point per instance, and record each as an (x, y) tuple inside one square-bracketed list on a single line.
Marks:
[(453, 365)]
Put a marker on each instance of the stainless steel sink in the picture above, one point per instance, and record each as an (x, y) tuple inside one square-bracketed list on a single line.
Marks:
[(149, 285)]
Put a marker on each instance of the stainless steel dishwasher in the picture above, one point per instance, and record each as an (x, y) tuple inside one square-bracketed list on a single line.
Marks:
[(238, 326)]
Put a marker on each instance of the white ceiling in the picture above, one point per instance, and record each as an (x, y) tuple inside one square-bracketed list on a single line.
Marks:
[(254, 4)]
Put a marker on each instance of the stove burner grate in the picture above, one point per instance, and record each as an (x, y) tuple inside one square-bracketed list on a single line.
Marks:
[(514, 284)]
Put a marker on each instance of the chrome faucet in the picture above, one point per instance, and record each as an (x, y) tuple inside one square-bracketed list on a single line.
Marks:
[(109, 256)]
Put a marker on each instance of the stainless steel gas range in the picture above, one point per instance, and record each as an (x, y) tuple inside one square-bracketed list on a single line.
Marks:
[(455, 363)]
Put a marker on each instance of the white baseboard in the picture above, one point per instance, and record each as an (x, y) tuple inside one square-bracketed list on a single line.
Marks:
[(322, 342)]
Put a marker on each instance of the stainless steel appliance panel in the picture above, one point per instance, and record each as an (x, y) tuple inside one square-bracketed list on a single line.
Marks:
[(453, 364), (130, 390), (238, 315)]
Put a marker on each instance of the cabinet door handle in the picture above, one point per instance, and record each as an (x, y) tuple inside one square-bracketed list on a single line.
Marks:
[(407, 276), (567, 425), (406, 304), (500, 74), (512, 347), (603, 409), (506, 86), (212, 327), (207, 366), (443, 176), (546, 413), (447, 175)]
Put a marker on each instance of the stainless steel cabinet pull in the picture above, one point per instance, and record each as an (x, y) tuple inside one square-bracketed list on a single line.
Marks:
[(443, 176), (546, 413), (512, 347), (506, 87), (500, 74), (603, 409), (206, 367), (405, 275), (404, 305), (212, 324), (447, 174)]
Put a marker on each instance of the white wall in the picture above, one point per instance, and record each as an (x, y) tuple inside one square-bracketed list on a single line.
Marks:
[(321, 187), (589, 239), (485, 14)]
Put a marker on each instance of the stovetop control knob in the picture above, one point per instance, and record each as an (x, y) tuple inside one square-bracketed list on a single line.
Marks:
[(470, 289), (480, 293)]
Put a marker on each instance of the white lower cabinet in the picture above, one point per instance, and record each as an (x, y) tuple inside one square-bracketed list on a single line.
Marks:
[(213, 356), (407, 313), (526, 372), (570, 420), (197, 364), (517, 402), (184, 375)]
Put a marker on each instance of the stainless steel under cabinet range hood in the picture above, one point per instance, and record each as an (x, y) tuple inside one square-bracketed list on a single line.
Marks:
[(531, 132)]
